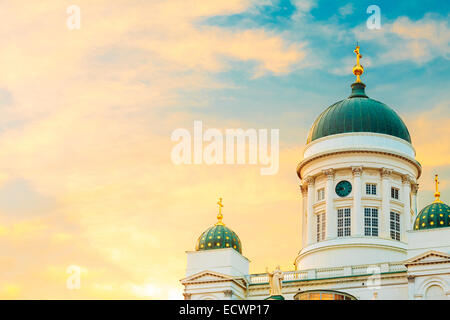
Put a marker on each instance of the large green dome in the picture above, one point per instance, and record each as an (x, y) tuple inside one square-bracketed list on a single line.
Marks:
[(358, 113), (435, 215), (218, 237)]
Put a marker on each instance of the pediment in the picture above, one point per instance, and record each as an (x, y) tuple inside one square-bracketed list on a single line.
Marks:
[(429, 257), (211, 276)]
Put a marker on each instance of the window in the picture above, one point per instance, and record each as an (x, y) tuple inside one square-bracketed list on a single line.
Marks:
[(371, 188), (320, 194), (371, 222), (344, 222), (323, 295), (394, 193), (314, 296), (327, 296), (321, 225), (395, 226)]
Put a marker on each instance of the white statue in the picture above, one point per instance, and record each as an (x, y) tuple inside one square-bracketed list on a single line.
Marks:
[(275, 280)]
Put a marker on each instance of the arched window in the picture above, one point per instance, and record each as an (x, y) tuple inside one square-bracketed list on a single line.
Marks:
[(435, 292), (323, 295)]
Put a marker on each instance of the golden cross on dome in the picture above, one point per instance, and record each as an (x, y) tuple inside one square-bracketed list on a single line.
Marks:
[(437, 194), (358, 69), (220, 216)]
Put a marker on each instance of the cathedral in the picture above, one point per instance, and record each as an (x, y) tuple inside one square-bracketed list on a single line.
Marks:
[(362, 233)]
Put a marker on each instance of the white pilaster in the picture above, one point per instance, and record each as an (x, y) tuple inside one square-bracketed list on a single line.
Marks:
[(357, 214), (414, 189), (310, 212), (331, 220), (385, 203), (407, 218), (411, 287), (304, 190)]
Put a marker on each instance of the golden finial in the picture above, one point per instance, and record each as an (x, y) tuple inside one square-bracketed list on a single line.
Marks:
[(437, 194), (219, 215), (358, 68)]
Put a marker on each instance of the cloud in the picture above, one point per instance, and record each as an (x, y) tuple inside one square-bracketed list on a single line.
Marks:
[(303, 8), (5, 98), (207, 49), (346, 10), (17, 198), (403, 39)]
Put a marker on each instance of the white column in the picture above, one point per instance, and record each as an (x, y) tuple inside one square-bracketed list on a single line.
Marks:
[(357, 211), (331, 219), (385, 203), (407, 218), (304, 190), (311, 223), (411, 287), (414, 189)]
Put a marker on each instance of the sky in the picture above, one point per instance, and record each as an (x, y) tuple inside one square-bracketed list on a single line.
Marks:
[(86, 175)]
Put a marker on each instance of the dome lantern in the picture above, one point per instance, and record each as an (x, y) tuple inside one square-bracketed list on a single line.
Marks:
[(358, 90)]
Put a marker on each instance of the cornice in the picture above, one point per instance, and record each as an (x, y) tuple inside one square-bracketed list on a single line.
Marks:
[(304, 162)]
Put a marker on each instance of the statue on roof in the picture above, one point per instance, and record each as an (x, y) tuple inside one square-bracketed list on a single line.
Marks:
[(275, 281)]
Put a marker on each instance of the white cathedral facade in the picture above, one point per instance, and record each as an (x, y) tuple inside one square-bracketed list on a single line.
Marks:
[(362, 234)]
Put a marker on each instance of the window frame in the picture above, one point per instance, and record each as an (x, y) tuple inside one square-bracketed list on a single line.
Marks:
[(371, 222), (344, 222), (395, 225), (395, 192), (321, 226), (371, 187), (321, 191)]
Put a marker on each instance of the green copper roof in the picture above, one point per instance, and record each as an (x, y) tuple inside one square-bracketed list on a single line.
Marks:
[(275, 298), (358, 113), (217, 237), (435, 215)]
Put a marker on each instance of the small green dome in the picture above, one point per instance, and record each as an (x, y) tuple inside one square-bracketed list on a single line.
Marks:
[(275, 298), (358, 113), (218, 237), (435, 215)]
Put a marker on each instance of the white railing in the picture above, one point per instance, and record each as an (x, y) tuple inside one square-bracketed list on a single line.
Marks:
[(359, 270), (295, 275), (397, 267), (329, 273), (322, 273), (258, 278)]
